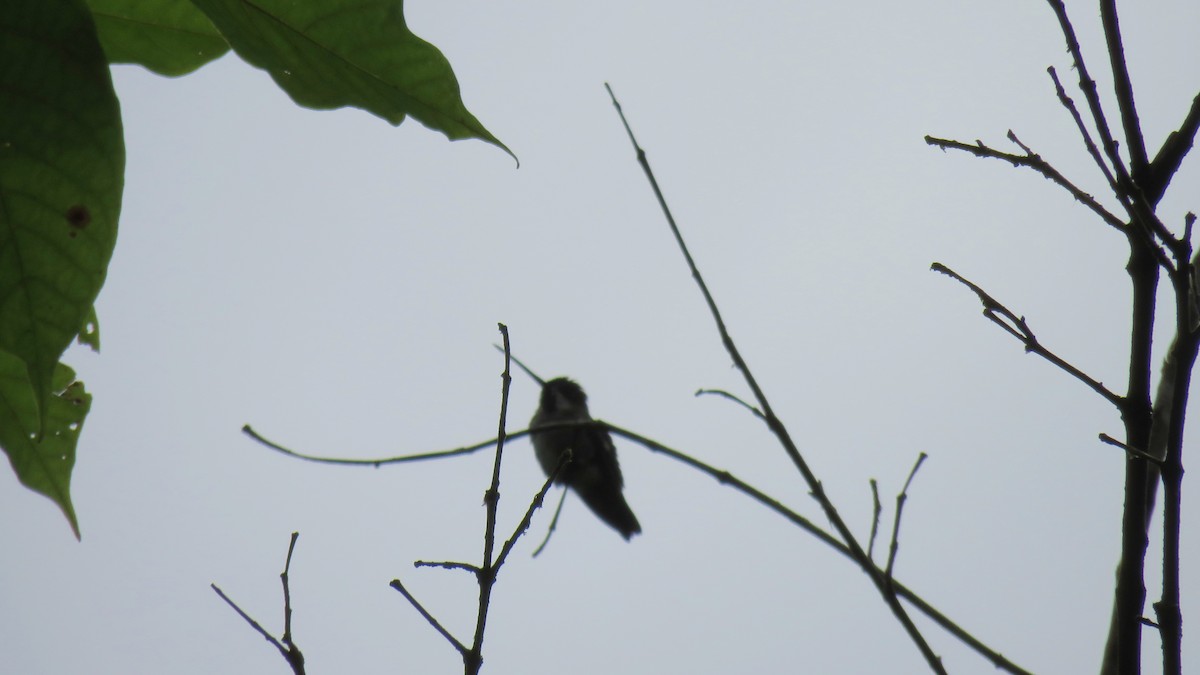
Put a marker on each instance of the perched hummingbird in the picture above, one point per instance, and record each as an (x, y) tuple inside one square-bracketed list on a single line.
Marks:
[(593, 473)]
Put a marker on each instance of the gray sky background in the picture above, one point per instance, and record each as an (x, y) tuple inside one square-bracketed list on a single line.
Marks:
[(336, 282)]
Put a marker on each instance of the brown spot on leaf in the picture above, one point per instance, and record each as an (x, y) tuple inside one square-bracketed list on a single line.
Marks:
[(78, 217)]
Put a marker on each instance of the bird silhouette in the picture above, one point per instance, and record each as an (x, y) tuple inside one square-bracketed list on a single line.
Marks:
[(593, 472)]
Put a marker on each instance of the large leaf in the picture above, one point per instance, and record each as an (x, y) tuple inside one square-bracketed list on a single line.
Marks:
[(334, 53), (169, 37), (62, 163), (42, 461)]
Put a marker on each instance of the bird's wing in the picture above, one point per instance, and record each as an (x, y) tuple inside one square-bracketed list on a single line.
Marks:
[(596, 450)]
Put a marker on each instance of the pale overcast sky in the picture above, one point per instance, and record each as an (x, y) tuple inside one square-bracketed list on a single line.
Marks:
[(336, 282)]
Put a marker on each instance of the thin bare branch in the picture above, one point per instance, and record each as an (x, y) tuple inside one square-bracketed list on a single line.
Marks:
[(396, 584), (287, 647), (536, 504), (1109, 440), (1069, 104), (775, 424), (1088, 86), (1039, 165), (726, 478), (1139, 204), (473, 657), (877, 511), (247, 618), (293, 652), (447, 565), (523, 367), (246, 429), (553, 525), (1019, 328), (732, 397), (900, 500)]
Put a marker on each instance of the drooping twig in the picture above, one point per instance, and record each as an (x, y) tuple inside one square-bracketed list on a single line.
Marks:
[(732, 397), (1019, 328), (246, 429), (286, 646), (900, 500), (553, 525), (773, 421)]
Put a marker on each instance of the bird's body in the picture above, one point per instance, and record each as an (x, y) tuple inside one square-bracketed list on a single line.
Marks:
[(593, 472)]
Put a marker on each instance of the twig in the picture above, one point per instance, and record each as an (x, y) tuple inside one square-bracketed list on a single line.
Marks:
[(773, 421), (246, 429), (1129, 190), (473, 658), (1088, 86), (396, 584), (726, 478), (553, 525), (877, 511), (900, 499), (724, 394), (287, 648), (1109, 440), (1130, 208), (1069, 104), (523, 367), (486, 573), (293, 654), (447, 565), (1019, 328), (1035, 162), (536, 504)]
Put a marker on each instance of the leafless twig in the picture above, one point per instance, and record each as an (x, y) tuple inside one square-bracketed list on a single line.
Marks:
[(732, 397), (1019, 328), (900, 499), (775, 424), (287, 648), (1035, 162), (876, 512)]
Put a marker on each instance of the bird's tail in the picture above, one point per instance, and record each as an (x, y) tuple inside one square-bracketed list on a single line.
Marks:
[(612, 509)]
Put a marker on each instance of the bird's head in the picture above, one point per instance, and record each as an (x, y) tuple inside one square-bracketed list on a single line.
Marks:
[(562, 396)]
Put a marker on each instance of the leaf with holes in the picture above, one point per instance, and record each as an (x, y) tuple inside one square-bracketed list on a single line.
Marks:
[(43, 459), (62, 164)]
